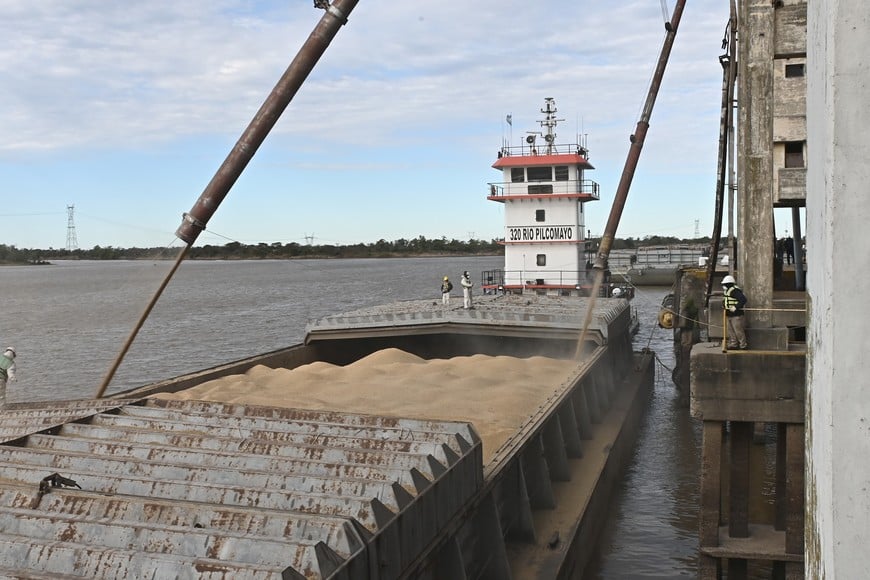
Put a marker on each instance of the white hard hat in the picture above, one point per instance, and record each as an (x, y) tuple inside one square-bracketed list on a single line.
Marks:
[(617, 291), (12, 350), (729, 279)]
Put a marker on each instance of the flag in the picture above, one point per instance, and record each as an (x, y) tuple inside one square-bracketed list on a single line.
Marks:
[(508, 119)]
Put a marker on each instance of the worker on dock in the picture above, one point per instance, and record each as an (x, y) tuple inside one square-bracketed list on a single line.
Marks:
[(7, 372), (446, 287), (733, 303), (466, 290)]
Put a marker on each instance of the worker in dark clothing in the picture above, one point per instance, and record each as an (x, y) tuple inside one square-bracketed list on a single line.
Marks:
[(733, 303), (446, 287), (779, 249)]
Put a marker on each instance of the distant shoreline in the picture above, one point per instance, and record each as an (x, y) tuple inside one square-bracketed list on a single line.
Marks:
[(419, 247), (244, 258), (26, 263)]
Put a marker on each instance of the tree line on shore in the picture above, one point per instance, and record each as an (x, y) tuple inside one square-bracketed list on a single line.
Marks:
[(419, 246)]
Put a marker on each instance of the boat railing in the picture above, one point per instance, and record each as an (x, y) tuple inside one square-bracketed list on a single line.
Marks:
[(656, 256), (584, 187), (536, 148), (674, 254), (536, 279)]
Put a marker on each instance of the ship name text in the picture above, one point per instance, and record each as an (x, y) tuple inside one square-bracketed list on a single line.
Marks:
[(540, 234)]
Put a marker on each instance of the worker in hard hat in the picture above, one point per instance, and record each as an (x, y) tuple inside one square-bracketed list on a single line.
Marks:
[(7, 372), (733, 303), (446, 287), (466, 290)]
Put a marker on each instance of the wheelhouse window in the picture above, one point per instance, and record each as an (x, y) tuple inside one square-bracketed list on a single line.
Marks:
[(541, 259), (518, 175), (561, 173), (539, 215), (540, 173), (541, 188), (794, 154)]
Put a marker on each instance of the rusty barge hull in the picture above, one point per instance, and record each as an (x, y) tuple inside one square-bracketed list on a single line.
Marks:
[(132, 486)]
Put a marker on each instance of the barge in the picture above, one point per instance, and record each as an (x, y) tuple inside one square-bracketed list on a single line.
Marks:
[(149, 483)]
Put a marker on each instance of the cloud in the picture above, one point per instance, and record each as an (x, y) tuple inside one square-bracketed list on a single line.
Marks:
[(96, 73), (404, 85)]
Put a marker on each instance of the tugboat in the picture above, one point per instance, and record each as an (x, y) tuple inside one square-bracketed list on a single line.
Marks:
[(544, 189)]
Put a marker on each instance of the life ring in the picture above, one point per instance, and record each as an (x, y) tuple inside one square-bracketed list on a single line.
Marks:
[(666, 318)]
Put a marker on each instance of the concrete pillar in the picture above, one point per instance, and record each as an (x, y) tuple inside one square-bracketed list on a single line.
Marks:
[(838, 278), (755, 159)]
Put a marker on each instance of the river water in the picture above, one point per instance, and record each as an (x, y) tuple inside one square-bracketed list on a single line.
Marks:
[(68, 322)]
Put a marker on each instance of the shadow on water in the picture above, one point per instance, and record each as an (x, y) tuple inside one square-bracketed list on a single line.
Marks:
[(652, 531)]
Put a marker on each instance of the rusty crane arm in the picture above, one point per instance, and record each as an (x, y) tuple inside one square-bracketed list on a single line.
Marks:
[(194, 222), (637, 139)]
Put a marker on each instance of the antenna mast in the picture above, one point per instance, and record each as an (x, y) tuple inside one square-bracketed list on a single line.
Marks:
[(550, 123)]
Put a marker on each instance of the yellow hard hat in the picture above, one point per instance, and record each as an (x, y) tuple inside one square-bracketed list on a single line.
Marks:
[(445, 277)]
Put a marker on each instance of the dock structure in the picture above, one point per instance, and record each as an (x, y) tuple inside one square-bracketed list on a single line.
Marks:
[(142, 486), (753, 402)]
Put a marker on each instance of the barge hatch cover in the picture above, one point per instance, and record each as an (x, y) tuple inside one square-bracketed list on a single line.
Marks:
[(210, 490)]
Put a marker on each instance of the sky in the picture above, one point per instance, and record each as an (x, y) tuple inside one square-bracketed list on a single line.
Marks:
[(124, 112)]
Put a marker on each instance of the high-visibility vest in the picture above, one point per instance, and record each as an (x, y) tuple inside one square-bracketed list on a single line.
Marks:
[(729, 300)]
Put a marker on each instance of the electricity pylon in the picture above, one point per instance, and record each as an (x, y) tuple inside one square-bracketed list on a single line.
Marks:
[(71, 242)]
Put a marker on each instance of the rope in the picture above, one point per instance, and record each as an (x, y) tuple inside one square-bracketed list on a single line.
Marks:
[(662, 364)]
